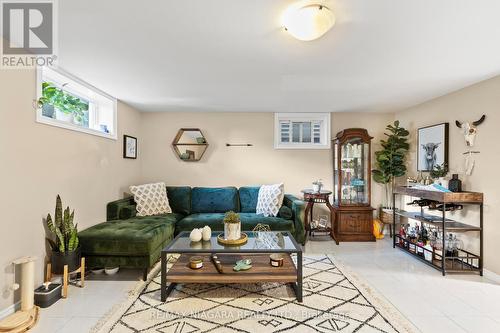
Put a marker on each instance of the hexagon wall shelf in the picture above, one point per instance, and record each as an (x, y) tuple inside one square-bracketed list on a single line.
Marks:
[(190, 144)]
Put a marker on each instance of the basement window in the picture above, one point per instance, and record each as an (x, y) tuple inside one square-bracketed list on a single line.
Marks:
[(302, 130), (68, 102)]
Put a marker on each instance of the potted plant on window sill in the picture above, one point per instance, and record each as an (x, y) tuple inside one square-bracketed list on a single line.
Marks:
[(232, 226), (63, 239), (391, 164), (58, 104)]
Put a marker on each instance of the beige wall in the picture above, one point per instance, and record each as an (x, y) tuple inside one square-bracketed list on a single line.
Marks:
[(40, 161), (238, 166), (466, 105)]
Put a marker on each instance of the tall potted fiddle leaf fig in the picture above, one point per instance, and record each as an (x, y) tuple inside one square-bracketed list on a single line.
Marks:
[(63, 239), (391, 160)]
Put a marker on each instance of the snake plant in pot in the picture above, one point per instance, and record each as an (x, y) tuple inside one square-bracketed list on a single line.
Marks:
[(63, 239), (391, 164)]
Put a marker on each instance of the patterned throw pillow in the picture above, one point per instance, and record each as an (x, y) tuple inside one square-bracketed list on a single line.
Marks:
[(270, 199), (151, 199)]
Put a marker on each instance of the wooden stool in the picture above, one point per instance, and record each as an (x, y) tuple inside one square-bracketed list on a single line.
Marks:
[(81, 270)]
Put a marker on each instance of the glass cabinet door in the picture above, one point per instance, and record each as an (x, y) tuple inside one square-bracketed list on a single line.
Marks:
[(354, 172), (336, 174)]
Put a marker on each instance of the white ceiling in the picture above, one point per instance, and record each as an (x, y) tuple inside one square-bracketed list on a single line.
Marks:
[(232, 55)]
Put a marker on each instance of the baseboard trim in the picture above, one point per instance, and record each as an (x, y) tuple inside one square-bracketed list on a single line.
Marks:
[(10, 310), (491, 276)]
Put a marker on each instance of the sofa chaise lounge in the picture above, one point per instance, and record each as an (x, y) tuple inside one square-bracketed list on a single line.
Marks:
[(131, 241)]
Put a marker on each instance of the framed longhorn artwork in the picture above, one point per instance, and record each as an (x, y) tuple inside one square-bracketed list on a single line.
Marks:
[(432, 146)]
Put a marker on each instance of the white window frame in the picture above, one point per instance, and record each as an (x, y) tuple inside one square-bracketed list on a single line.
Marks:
[(325, 138), (93, 114)]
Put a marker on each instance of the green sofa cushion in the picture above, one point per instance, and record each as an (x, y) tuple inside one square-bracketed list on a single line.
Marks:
[(248, 222), (214, 199), (248, 198), (179, 198), (127, 212), (138, 236), (285, 213)]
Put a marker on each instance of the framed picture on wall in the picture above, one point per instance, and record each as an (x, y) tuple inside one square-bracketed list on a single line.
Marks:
[(432, 146), (129, 147)]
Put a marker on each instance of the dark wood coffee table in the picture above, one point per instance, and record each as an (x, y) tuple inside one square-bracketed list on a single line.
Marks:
[(258, 248)]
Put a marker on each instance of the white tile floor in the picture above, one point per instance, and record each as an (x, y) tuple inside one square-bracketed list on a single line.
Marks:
[(455, 303)]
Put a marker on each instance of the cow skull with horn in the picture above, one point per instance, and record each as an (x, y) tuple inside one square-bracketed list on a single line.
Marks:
[(470, 130)]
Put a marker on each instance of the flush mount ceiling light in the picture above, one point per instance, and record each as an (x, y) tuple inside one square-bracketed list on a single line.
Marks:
[(308, 22)]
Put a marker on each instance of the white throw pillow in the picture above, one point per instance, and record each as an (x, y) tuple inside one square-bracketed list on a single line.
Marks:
[(270, 199), (151, 199)]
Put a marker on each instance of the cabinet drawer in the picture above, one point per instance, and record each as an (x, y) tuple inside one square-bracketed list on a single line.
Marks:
[(355, 222)]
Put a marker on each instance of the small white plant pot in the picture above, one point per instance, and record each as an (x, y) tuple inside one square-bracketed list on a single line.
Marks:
[(66, 117), (316, 188), (232, 231)]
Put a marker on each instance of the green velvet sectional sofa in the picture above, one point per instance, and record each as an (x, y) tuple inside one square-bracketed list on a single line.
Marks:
[(130, 241)]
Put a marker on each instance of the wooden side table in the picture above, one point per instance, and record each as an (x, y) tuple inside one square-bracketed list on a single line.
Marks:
[(321, 197)]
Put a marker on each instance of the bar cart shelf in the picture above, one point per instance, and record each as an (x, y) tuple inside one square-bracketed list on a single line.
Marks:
[(463, 261)]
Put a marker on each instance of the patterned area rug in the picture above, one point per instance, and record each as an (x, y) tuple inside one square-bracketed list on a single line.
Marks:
[(334, 301)]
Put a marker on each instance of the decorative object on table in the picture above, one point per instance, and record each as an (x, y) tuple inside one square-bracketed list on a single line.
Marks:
[(353, 215), (232, 226), (27, 316), (233, 242), (243, 265), (195, 262), (151, 199), (111, 270), (217, 263), (276, 259), (455, 184), (390, 164), (190, 144), (206, 233), (195, 235), (260, 227), (129, 147), (428, 180), (47, 294), (439, 173), (469, 129), (270, 199), (432, 146), (317, 185), (310, 225)]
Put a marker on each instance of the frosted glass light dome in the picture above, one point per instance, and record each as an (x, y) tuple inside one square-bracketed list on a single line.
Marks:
[(308, 22)]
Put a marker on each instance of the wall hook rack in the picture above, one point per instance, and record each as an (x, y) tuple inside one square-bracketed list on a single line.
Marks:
[(239, 145)]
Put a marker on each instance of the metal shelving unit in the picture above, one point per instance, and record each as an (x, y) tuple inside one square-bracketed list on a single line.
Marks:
[(465, 261)]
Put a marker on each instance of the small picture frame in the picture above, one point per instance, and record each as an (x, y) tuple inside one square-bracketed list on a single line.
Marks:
[(432, 146), (129, 147)]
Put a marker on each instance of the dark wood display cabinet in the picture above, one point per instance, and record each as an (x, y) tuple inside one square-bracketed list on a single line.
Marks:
[(352, 186)]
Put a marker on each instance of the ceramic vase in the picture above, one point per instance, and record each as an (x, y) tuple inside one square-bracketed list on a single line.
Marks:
[(232, 231)]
